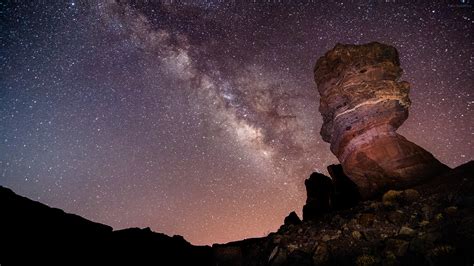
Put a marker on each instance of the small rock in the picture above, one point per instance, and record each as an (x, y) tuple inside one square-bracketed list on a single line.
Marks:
[(336, 236), (396, 217), (280, 258), (442, 255), (406, 231), (375, 206), (291, 247), (390, 259), (421, 244), (370, 235), (427, 212), (353, 222), (338, 220), (356, 235), (391, 197), (273, 254), (307, 247), (326, 238), (424, 223), (277, 239), (292, 219), (451, 211), (410, 195), (321, 255), (366, 219), (366, 260), (397, 246)]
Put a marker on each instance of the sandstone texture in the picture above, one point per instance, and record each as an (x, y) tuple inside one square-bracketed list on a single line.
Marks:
[(363, 102)]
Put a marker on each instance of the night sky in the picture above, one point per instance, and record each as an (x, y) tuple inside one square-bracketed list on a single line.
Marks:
[(201, 119)]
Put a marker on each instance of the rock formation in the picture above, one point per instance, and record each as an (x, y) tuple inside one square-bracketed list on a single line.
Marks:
[(319, 192), (292, 218), (362, 104), (429, 224), (325, 194), (346, 192)]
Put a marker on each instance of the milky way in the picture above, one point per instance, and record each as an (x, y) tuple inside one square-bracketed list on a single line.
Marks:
[(201, 118)]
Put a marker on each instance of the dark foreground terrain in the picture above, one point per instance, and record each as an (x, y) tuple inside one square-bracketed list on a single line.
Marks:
[(430, 224), (32, 233)]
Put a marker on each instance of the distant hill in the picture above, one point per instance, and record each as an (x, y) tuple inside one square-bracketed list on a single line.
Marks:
[(32, 233)]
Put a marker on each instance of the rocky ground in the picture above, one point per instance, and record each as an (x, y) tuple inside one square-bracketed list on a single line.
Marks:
[(430, 224)]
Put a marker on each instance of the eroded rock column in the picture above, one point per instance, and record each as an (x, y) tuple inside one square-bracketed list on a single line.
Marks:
[(362, 104)]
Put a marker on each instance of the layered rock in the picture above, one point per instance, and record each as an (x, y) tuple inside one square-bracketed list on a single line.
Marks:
[(362, 104)]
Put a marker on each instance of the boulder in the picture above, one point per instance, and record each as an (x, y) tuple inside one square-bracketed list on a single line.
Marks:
[(346, 193), (319, 191), (292, 218)]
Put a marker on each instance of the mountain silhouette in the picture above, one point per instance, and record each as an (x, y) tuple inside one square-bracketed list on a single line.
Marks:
[(430, 224), (32, 233)]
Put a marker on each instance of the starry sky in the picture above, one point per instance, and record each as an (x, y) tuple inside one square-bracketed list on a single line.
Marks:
[(201, 118)]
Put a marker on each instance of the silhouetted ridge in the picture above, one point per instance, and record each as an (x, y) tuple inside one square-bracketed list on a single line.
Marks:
[(32, 232)]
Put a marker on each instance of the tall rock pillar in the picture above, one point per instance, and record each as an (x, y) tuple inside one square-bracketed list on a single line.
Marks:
[(362, 104)]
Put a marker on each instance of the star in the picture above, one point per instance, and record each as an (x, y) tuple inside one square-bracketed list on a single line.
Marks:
[(201, 118)]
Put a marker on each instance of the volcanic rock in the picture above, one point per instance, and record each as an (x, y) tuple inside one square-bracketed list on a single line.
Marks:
[(292, 218), (336, 238), (397, 234), (346, 193), (319, 190), (362, 104), (406, 231)]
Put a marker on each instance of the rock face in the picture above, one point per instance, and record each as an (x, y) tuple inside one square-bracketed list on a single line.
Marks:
[(429, 224), (319, 192), (325, 194), (362, 104), (346, 192), (292, 218)]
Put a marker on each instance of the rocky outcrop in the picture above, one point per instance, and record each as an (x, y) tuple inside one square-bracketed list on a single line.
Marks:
[(346, 192), (292, 218), (325, 194), (429, 224), (319, 192), (362, 104)]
